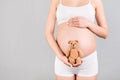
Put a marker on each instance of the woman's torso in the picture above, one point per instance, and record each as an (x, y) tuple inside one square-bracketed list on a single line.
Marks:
[(86, 38)]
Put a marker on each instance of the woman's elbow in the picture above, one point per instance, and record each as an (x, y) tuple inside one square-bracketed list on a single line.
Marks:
[(47, 34), (106, 35)]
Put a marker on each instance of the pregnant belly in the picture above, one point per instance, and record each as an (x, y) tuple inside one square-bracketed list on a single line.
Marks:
[(86, 38)]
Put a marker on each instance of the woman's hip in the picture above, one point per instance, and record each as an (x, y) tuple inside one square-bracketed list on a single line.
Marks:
[(87, 68)]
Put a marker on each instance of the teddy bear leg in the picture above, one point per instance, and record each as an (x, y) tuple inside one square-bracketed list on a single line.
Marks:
[(78, 60), (71, 60)]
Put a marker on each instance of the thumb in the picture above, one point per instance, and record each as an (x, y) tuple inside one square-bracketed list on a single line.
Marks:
[(69, 64)]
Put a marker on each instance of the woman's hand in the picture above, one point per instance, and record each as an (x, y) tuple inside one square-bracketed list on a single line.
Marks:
[(64, 59), (79, 22), (77, 64)]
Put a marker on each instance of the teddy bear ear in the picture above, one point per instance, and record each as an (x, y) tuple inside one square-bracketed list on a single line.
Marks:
[(69, 42), (76, 41)]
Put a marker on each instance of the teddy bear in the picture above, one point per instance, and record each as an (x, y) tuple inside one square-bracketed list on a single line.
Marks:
[(74, 55)]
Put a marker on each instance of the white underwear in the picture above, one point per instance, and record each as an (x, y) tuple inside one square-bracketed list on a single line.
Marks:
[(89, 67)]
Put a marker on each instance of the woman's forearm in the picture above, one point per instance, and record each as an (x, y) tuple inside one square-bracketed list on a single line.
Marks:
[(53, 44), (98, 30)]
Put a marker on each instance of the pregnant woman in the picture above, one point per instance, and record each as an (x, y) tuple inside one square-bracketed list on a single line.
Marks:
[(76, 22)]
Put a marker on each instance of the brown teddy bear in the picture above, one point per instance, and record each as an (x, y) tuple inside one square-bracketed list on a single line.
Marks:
[(74, 55)]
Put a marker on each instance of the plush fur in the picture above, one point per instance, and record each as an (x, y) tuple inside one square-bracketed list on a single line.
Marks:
[(73, 55)]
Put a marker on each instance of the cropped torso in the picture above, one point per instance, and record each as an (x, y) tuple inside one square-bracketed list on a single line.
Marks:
[(86, 38)]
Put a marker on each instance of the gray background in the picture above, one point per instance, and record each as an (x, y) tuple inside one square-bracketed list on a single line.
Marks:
[(24, 52)]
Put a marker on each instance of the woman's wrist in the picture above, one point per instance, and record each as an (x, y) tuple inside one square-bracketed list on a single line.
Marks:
[(60, 55)]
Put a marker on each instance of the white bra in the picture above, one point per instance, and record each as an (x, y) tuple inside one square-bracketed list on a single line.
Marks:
[(64, 13)]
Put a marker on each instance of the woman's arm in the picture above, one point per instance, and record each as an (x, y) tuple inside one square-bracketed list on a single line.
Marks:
[(49, 33), (50, 26), (101, 29)]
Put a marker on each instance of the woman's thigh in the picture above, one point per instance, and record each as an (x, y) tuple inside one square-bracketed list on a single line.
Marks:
[(86, 78), (65, 77)]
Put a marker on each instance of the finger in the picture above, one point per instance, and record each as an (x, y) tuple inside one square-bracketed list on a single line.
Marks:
[(75, 65), (67, 63), (71, 24), (76, 23), (75, 20), (76, 26), (70, 21)]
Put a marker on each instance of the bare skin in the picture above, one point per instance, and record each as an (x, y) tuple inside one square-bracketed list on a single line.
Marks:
[(81, 29), (76, 78), (65, 78)]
